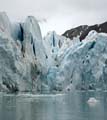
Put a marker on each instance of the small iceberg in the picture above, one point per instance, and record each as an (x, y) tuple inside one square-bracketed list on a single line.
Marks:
[(92, 101)]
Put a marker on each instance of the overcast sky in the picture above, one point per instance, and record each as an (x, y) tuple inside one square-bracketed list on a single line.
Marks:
[(58, 15)]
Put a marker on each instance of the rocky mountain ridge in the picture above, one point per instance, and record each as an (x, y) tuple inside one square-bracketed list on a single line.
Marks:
[(83, 30)]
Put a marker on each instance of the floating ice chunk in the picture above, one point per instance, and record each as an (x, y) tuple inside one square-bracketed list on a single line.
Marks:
[(92, 101)]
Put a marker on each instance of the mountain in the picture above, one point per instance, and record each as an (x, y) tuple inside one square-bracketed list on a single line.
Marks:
[(83, 30), (75, 32)]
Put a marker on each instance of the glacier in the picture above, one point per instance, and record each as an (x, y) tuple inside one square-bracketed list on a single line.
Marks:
[(53, 64), (21, 60), (83, 66)]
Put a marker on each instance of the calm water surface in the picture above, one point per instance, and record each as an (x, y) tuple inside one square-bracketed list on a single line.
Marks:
[(53, 107)]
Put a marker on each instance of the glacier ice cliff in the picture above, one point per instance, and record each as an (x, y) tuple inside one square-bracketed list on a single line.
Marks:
[(83, 65), (30, 63), (21, 59)]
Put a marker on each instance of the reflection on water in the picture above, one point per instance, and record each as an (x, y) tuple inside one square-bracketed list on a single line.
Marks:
[(50, 107)]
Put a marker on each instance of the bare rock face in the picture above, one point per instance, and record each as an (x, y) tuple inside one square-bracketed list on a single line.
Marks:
[(75, 32), (83, 30), (98, 28)]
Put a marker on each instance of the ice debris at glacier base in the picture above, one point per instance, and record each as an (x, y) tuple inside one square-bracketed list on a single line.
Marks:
[(30, 63)]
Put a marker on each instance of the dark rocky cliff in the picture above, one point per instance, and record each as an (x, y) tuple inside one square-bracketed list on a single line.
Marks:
[(83, 30)]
